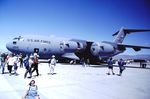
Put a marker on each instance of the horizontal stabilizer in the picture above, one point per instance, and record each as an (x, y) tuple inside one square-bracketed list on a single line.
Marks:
[(128, 31), (121, 34)]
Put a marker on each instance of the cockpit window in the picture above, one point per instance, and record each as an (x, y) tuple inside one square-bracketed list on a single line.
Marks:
[(18, 38)]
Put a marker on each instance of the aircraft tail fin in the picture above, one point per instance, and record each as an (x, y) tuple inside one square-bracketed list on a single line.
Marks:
[(120, 35)]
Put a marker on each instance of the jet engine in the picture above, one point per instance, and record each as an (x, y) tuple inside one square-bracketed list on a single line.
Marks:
[(101, 49), (71, 46)]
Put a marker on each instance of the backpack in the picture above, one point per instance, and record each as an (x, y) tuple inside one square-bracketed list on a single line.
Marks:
[(26, 62), (3, 58)]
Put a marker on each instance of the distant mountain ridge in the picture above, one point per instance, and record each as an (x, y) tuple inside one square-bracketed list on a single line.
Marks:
[(140, 56)]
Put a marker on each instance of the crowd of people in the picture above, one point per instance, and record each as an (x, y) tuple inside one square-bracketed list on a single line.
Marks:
[(12, 61), (30, 63)]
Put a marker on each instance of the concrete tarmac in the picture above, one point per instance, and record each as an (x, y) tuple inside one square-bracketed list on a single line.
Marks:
[(77, 82)]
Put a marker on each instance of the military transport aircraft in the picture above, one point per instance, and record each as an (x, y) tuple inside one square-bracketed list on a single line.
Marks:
[(73, 48)]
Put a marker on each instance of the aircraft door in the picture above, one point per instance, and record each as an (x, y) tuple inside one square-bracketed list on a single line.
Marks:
[(36, 50), (44, 50)]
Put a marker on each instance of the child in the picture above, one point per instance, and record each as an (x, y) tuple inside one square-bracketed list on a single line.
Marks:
[(32, 92)]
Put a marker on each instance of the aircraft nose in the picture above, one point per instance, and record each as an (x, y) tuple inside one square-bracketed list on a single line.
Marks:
[(9, 46)]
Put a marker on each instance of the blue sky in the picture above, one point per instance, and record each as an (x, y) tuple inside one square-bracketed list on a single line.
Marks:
[(93, 20)]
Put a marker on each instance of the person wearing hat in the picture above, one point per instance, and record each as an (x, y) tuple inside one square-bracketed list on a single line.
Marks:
[(52, 64)]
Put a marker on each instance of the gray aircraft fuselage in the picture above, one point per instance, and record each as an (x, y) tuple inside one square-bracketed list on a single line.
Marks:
[(46, 46), (72, 48)]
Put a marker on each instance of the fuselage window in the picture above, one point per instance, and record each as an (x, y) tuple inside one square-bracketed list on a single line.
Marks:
[(14, 42)]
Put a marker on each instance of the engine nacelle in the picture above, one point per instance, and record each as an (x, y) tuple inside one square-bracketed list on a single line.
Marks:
[(100, 49), (70, 46)]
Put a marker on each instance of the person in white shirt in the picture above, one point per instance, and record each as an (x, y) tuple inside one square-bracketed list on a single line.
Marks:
[(16, 64), (52, 64), (10, 62)]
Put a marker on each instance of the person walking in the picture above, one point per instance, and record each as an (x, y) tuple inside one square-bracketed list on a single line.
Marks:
[(10, 62), (21, 60), (3, 58), (16, 64), (121, 64), (35, 65), (52, 64), (27, 63), (110, 66)]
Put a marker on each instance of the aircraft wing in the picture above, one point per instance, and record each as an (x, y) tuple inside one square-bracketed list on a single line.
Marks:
[(70, 56), (135, 47)]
